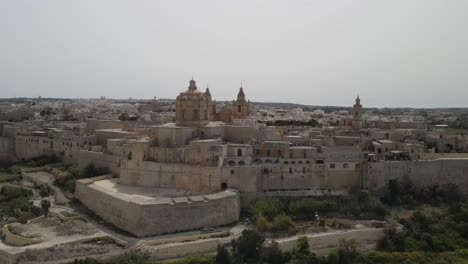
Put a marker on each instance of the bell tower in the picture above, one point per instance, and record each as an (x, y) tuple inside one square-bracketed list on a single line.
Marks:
[(357, 121), (240, 108)]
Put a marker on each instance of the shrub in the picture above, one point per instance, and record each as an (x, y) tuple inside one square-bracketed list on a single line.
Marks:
[(269, 208), (134, 257), (282, 223), (262, 224)]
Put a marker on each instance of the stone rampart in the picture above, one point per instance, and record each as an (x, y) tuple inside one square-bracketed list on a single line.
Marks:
[(195, 179), (99, 159), (420, 172), (18, 240), (146, 216)]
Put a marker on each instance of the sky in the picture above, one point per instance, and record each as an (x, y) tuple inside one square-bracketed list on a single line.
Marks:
[(393, 53)]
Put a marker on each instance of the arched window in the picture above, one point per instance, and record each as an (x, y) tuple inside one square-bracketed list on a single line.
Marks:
[(239, 108), (268, 161), (231, 163), (241, 163), (239, 152)]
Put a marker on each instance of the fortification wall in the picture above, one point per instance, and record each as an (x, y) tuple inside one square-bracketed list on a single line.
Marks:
[(420, 172), (99, 159), (244, 179), (344, 179), (195, 179), (146, 217), (18, 240)]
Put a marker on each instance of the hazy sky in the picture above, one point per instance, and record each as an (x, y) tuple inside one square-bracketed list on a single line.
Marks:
[(392, 53)]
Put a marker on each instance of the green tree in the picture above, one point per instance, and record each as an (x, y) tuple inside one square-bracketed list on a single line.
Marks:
[(249, 246), (222, 255), (272, 254), (45, 205), (347, 251)]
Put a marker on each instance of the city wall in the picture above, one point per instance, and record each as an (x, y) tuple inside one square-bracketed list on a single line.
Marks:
[(194, 179), (99, 159), (420, 172), (145, 217)]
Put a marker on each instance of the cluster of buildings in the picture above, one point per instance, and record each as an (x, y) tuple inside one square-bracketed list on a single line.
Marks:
[(199, 170)]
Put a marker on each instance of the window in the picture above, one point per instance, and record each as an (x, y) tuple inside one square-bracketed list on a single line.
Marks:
[(195, 114), (319, 162), (290, 170), (232, 172), (358, 165), (345, 165), (239, 108), (286, 162), (239, 152), (332, 165), (257, 152), (241, 163), (231, 163), (268, 153), (304, 170)]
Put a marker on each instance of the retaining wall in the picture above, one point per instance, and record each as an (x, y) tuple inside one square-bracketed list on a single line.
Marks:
[(145, 217)]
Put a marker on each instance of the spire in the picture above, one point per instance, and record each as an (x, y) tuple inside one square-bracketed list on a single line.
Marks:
[(241, 95), (208, 90)]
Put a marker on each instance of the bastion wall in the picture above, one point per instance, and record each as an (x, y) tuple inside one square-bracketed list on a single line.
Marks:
[(153, 216), (420, 172), (194, 179)]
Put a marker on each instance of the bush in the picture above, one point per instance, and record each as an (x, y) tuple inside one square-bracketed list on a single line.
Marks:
[(306, 208), (194, 260), (262, 224), (269, 208), (68, 183), (282, 223), (134, 257)]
